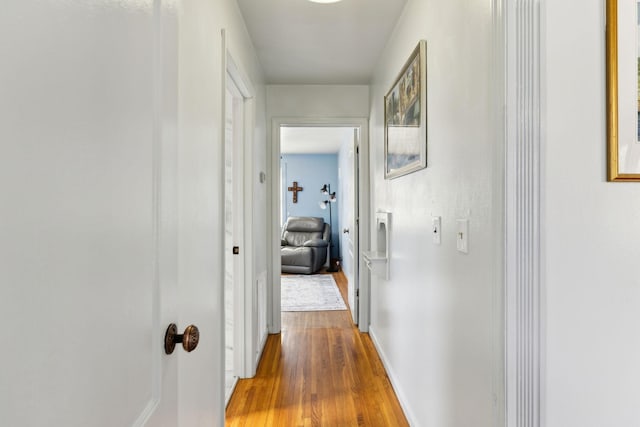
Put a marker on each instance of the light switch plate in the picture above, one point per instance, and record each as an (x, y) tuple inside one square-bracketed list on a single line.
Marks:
[(435, 228), (462, 235)]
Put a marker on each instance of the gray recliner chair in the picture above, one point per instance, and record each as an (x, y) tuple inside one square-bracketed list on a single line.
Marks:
[(304, 244)]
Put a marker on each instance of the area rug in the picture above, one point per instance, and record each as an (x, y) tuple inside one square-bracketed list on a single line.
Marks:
[(317, 292)]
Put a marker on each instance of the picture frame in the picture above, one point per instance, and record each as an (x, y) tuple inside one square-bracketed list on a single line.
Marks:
[(405, 117), (623, 92)]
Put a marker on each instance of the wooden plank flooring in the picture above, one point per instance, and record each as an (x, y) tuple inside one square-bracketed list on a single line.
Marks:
[(320, 371)]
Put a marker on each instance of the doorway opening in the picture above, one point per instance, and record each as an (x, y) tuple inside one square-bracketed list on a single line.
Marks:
[(317, 170), (329, 157)]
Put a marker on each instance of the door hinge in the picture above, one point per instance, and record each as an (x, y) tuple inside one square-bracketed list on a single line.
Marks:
[(357, 293), (236, 250)]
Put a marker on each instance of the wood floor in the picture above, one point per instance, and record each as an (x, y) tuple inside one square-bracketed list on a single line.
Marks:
[(320, 371)]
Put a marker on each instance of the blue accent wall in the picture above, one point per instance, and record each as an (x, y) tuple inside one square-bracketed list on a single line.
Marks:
[(312, 171)]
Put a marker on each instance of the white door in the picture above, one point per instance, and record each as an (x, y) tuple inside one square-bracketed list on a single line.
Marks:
[(87, 213), (234, 237), (352, 233)]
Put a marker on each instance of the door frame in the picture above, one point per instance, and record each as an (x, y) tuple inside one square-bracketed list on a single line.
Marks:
[(273, 232), (354, 233), (246, 299)]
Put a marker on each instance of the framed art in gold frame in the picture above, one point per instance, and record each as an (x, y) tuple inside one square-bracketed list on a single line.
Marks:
[(623, 91), (405, 117)]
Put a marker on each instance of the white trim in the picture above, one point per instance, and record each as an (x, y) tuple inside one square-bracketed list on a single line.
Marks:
[(273, 294), (498, 83), (354, 253), (233, 387), (260, 350), (395, 384), (541, 216), (219, 289), (523, 304), (273, 234), (239, 77), (364, 230), (250, 277)]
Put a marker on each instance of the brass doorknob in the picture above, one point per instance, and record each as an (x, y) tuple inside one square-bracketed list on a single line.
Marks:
[(189, 339)]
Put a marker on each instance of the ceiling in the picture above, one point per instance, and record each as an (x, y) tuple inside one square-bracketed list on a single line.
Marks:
[(314, 140), (300, 42)]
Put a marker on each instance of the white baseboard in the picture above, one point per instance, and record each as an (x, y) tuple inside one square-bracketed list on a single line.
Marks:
[(233, 388), (393, 378), (263, 342)]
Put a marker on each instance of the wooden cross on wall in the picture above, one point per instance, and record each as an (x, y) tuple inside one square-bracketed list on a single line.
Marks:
[(295, 190)]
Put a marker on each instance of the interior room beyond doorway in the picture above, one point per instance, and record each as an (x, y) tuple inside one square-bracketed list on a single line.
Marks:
[(316, 181)]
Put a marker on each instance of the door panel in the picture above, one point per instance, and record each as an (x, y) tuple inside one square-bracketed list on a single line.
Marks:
[(354, 231), (229, 258), (234, 237), (87, 218)]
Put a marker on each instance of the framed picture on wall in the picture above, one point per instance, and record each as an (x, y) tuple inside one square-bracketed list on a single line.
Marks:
[(623, 90), (405, 117)]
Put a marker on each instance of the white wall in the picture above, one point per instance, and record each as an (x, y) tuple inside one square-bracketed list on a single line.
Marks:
[(590, 233), (201, 184), (432, 321), (317, 101)]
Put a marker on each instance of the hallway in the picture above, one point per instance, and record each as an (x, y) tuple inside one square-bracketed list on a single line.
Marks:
[(319, 371), (508, 294)]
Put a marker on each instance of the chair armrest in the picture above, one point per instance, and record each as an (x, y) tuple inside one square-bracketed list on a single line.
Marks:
[(316, 243)]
